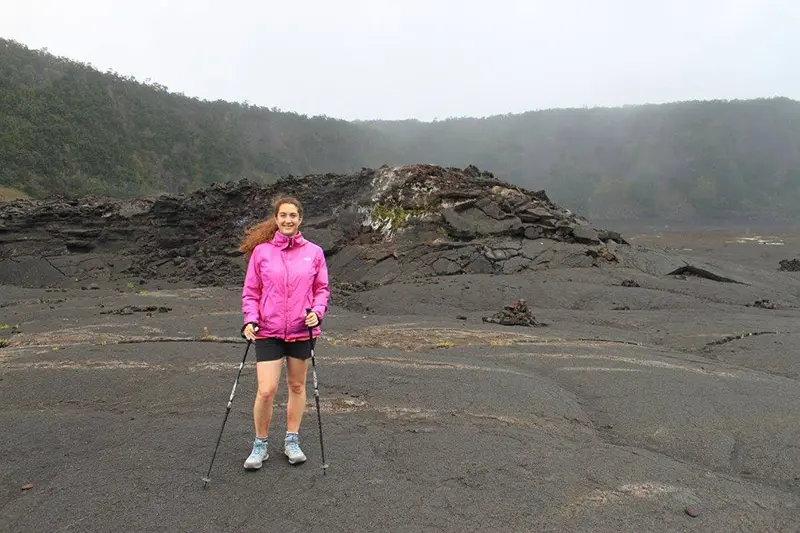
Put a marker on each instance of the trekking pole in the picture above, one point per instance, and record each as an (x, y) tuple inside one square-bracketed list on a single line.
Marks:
[(316, 395), (207, 479)]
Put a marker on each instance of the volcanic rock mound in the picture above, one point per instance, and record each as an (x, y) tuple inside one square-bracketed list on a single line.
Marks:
[(376, 225)]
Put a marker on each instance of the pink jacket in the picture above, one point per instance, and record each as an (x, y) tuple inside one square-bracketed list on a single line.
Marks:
[(285, 276)]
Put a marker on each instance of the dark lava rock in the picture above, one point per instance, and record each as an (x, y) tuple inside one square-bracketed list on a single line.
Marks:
[(764, 304), (377, 226), (792, 265), (516, 314), (130, 309)]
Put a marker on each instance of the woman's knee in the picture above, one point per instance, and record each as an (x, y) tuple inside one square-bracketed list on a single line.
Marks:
[(266, 394), (297, 386)]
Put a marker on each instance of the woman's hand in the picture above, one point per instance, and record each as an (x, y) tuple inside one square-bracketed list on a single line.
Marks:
[(311, 319), (250, 331)]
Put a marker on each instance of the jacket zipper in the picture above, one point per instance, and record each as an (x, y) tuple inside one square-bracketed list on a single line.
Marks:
[(285, 292)]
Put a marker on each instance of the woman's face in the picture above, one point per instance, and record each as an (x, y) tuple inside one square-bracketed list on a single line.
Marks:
[(288, 219)]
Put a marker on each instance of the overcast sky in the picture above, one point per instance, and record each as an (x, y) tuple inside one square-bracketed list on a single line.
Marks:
[(428, 59)]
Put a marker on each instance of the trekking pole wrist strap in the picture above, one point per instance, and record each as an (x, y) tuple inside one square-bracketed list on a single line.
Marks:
[(245, 325)]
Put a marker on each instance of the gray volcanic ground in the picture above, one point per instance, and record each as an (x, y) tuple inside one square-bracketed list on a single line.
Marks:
[(656, 389)]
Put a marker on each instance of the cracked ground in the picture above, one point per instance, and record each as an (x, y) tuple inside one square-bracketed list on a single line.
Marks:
[(432, 419)]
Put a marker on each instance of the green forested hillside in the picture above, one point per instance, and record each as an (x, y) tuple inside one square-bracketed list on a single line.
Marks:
[(67, 128), (691, 159)]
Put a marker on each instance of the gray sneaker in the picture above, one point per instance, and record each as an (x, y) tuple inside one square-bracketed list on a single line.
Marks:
[(259, 454), (291, 447)]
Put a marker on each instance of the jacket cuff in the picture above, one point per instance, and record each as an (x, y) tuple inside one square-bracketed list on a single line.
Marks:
[(320, 312), (241, 332)]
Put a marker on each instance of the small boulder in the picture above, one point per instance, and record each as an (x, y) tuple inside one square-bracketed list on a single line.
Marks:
[(790, 265), (516, 314), (763, 304)]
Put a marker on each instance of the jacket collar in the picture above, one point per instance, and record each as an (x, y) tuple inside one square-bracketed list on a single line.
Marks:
[(282, 241)]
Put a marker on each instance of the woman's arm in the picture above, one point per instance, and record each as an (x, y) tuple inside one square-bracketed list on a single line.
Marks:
[(251, 291), (321, 291)]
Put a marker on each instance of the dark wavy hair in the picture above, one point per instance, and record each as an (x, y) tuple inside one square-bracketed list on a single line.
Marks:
[(265, 230)]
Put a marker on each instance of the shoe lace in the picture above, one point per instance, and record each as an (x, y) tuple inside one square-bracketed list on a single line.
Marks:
[(259, 448), (293, 446)]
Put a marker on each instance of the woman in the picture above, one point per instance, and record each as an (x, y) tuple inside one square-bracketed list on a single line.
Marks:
[(286, 275)]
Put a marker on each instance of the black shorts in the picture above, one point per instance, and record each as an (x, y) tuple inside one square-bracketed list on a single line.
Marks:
[(271, 349)]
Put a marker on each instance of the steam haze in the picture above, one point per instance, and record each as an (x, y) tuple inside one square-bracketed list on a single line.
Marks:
[(360, 59)]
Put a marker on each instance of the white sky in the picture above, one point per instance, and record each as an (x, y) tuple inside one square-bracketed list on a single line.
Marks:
[(427, 59)]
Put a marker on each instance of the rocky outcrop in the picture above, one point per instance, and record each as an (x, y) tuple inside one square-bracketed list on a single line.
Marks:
[(375, 226), (516, 314), (790, 265), (763, 304)]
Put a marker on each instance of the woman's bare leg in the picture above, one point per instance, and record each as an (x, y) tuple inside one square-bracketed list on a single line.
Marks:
[(296, 371), (268, 374)]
